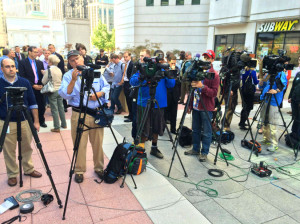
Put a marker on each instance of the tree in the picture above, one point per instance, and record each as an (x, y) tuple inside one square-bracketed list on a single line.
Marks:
[(102, 39)]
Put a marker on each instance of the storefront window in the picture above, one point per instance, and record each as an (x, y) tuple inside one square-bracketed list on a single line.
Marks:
[(270, 43), (222, 42)]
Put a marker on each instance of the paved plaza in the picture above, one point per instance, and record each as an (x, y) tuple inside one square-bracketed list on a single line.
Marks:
[(237, 197)]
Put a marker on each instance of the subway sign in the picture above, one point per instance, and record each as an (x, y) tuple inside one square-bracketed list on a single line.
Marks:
[(277, 26)]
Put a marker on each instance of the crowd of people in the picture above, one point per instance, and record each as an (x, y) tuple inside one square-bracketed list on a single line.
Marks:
[(34, 67)]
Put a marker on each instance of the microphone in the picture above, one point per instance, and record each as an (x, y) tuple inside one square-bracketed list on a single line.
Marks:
[(94, 66), (245, 57)]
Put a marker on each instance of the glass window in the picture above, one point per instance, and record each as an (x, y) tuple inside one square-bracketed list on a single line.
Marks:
[(149, 2), (179, 2), (270, 43), (195, 2), (164, 2), (222, 42)]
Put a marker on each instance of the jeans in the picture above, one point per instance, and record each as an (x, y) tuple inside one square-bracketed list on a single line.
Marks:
[(115, 97), (57, 107), (201, 131)]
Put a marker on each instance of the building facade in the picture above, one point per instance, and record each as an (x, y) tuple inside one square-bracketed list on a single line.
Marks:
[(261, 27), (3, 29), (174, 24)]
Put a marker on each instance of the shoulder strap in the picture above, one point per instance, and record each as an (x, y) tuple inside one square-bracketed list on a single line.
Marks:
[(49, 74)]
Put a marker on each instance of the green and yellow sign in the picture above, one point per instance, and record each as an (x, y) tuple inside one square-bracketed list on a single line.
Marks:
[(277, 26)]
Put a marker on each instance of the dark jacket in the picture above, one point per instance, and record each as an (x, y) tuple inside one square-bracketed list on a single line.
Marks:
[(129, 70), (25, 71), (295, 91), (88, 60), (22, 56), (104, 58), (61, 64)]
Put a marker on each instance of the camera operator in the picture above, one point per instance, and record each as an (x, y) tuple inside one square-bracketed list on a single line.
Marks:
[(10, 79), (249, 80), (158, 122), (269, 130), (233, 99), (70, 90), (173, 97), (184, 83), (294, 99), (202, 130)]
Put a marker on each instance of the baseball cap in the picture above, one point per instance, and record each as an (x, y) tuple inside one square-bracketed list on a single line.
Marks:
[(72, 53), (209, 53)]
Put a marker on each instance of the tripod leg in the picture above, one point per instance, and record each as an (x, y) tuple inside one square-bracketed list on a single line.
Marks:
[(175, 144), (286, 129), (222, 127), (19, 139), (142, 124), (39, 146), (4, 129)]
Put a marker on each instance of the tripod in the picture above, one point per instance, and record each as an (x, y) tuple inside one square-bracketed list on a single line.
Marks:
[(86, 86), (149, 109), (20, 109), (267, 102)]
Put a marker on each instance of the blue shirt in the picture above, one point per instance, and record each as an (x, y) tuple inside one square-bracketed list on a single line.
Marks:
[(252, 76), (29, 98), (100, 84), (118, 74), (37, 75), (279, 96), (161, 90), (109, 69)]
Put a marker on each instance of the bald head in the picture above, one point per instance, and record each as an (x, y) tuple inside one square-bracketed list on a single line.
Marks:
[(8, 68)]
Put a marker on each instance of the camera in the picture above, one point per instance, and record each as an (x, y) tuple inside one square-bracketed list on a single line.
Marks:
[(152, 69), (197, 71), (88, 73), (273, 64), (15, 90)]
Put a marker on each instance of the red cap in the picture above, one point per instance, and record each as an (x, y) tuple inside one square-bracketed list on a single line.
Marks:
[(210, 54)]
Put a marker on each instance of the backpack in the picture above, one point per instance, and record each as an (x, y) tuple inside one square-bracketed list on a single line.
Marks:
[(138, 162), (120, 161), (227, 137), (185, 138), (292, 140), (248, 87)]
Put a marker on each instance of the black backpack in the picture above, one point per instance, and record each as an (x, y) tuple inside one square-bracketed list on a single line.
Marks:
[(292, 140), (248, 87), (120, 161), (186, 138)]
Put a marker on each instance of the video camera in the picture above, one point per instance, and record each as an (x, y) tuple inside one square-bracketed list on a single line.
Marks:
[(234, 62), (197, 71), (88, 73), (273, 64), (153, 70)]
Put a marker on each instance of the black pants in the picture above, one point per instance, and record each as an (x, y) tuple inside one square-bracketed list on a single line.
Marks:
[(126, 89), (171, 110), (41, 105), (134, 118), (296, 116), (247, 107)]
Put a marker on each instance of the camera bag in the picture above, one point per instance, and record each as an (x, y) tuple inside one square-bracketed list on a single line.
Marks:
[(138, 162), (227, 137), (185, 138)]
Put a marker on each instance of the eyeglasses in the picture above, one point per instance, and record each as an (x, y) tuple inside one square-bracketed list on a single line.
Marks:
[(9, 66)]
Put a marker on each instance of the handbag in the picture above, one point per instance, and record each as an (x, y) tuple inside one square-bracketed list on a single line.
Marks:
[(104, 119), (49, 87)]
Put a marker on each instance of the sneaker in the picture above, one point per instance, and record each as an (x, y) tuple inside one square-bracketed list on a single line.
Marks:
[(272, 148), (155, 152), (202, 157), (265, 142), (191, 152)]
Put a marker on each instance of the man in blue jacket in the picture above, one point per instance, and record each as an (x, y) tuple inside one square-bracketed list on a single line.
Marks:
[(158, 123), (269, 131)]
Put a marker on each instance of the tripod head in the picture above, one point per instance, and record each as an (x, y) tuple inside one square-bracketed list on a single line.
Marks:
[(16, 94)]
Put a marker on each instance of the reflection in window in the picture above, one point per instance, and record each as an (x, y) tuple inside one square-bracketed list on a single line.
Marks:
[(179, 2), (149, 2), (164, 2), (222, 42), (195, 2)]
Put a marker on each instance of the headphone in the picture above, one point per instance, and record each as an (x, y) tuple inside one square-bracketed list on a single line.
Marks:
[(47, 199)]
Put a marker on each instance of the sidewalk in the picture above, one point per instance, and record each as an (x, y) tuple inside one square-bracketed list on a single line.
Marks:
[(155, 201)]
